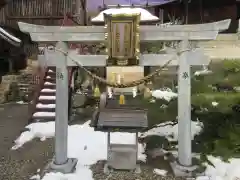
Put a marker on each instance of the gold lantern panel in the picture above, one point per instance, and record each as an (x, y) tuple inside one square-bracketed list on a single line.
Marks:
[(122, 38)]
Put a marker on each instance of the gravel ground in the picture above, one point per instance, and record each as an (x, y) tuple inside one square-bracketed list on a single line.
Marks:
[(27, 160), (24, 162)]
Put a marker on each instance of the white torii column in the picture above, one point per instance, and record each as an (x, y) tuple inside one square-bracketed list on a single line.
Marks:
[(186, 59), (61, 162), (184, 107)]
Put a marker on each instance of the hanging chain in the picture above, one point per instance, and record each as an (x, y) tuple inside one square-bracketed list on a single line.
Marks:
[(121, 85)]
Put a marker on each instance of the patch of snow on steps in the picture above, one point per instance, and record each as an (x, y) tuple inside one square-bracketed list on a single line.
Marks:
[(47, 97), (49, 83), (40, 105), (44, 114), (48, 90)]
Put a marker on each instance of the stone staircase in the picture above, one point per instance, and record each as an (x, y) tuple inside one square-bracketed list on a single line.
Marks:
[(5, 85), (44, 109), (3, 90)]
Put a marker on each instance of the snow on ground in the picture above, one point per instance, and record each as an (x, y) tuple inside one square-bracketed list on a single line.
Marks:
[(166, 95), (204, 71), (85, 144), (89, 146), (221, 171), (21, 102), (214, 103), (171, 131), (160, 172)]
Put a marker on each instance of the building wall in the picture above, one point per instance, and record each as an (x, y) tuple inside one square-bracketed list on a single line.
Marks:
[(201, 11), (43, 12)]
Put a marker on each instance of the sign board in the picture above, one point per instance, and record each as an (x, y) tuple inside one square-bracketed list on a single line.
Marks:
[(122, 38)]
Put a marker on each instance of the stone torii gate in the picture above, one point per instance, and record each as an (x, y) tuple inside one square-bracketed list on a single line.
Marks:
[(184, 59)]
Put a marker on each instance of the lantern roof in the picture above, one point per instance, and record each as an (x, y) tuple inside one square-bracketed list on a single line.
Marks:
[(145, 16)]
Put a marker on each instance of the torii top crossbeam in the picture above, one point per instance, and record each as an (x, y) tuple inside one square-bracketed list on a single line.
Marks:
[(206, 31)]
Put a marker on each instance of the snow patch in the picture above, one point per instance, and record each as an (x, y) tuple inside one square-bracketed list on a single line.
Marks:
[(21, 102), (223, 170), (39, 105), (44, 114), (48, 83), (215, 104), (47, 97), (85, 144), (48, 90), (145, 15), (163, 94), (160, 172), (171, 131)]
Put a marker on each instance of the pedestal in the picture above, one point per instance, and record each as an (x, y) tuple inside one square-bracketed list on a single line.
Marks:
[(68, 167), (182, 171)]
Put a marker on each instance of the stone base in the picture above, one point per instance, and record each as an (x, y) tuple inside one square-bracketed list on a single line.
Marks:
[(108, 170), (182, 171), (68, 167)]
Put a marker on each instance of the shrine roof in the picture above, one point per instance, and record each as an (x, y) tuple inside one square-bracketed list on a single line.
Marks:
[(9, 37), (144, 14)]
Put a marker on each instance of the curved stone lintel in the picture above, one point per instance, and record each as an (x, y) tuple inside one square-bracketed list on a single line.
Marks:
[(33, 28), (214, 26)]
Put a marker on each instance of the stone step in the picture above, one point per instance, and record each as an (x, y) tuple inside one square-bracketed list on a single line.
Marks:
[(40, 107), (51, 75), (48, 90), (49, 86), (45, 109), (47, 93), (46, 101), (42, 119), (50, 79)]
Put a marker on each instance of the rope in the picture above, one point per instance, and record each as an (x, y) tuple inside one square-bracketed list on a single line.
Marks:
[(122, 85), (115, 84)]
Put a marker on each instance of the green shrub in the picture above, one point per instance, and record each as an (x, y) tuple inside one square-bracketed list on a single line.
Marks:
[(225, 101), (220, 136)]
